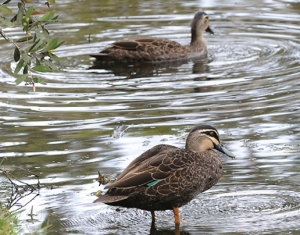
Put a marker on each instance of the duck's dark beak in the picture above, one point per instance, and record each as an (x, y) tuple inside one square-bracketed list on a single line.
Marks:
[(222, 149), (208, 29)]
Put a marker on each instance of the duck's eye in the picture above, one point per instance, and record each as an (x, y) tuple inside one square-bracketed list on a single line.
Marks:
[(213, 134)]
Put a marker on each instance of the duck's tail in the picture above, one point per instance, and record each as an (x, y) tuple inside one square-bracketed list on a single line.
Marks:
[(110, 199), (100, 56)]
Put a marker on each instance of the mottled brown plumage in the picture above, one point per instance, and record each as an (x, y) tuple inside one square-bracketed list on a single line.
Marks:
[(166, 177), (151, 49)]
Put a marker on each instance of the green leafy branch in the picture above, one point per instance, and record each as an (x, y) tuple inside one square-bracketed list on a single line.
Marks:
[(34, 51)]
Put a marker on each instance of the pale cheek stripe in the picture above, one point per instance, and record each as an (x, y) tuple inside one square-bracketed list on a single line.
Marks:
[(215, 141)]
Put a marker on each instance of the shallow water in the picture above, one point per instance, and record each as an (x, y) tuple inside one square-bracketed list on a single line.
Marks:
[(86, 120)]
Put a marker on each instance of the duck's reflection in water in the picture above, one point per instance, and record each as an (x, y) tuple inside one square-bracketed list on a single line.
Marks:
[(140, 70)]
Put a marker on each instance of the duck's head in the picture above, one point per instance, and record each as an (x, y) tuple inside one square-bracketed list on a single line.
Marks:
[(200, 23), (203, 138)]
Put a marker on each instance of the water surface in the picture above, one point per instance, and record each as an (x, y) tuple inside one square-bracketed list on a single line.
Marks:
[(248, 89)]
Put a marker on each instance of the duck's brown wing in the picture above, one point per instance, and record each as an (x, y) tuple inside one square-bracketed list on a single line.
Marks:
[(142, 49), (141, 43), (149, 154), (126, 45), (155, 164)]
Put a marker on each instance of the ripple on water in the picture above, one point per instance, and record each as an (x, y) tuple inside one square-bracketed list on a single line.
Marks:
[(249, 86), (215, 212), (252, 210)]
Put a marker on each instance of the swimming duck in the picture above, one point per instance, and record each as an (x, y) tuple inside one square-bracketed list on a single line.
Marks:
[(151, 49), (166, 177)]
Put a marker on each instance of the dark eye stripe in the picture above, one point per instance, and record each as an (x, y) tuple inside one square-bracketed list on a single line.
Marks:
[(212, 134)]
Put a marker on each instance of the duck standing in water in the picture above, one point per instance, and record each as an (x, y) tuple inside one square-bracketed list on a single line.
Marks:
[(166, 177), (151, 49)]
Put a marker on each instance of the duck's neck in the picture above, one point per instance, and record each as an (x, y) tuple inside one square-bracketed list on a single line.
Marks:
[(196, 39)]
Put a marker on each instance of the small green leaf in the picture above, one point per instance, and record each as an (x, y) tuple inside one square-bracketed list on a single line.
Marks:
[(25, 57), (25, 24), (54, 57), (4, 9), (50, 64), (29, 13), (19, 66), (59, 44), (51, 45), (46, 33), (7, 1), (34, 38), (47, 16), (16, 54), (34, 46), (41, 45), (55, 18), (14, 19), (25, 39), (39, 80), (8, 23), (41, 68), (37, 62), (21, 78), (37, 33), (36, 80), (20, 13), (25, 70)]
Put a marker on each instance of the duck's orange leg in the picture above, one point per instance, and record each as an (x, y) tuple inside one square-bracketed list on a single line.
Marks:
[(153, 216), (176, 215)]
